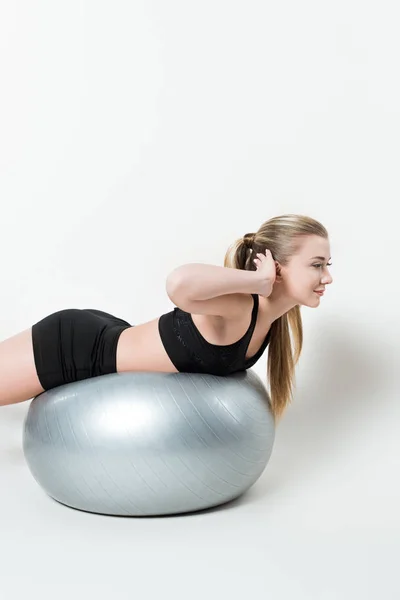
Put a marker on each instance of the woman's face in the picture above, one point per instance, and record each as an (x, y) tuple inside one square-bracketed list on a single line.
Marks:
[(307, 271)]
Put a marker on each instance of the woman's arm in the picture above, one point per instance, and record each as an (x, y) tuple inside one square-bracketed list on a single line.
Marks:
[(202, 282)]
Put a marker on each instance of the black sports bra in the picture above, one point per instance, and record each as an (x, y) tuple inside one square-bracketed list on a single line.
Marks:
[(190, 352)]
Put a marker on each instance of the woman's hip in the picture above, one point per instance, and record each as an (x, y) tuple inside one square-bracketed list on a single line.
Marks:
[(75, 344)]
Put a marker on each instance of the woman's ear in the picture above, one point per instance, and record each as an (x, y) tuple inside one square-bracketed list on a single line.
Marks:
[(278, 271)]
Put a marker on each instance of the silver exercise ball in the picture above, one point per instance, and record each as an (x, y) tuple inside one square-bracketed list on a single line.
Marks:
[(144, 443)]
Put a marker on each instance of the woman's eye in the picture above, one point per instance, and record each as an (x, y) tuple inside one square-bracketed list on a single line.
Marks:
[(320, 265)]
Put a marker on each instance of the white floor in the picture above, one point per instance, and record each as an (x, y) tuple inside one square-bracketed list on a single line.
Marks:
[(321, 523)]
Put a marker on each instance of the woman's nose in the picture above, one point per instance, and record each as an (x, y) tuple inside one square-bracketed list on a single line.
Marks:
[(327, 278)]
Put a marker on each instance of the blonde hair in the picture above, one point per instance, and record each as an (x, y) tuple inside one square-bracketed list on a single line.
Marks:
[(283, 236)]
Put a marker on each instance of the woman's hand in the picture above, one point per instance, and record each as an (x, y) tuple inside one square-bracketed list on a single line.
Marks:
[(267, 269)]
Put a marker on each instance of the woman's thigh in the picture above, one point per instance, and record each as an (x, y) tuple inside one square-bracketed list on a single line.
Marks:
[(18, 376)]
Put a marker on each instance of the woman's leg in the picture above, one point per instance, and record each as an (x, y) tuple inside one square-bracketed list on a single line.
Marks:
[(18, 376)]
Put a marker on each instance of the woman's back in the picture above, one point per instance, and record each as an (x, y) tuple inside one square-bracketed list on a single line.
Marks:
[(215, 342)]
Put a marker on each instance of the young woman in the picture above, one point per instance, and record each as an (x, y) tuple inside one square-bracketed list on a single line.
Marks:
[(224, 319)]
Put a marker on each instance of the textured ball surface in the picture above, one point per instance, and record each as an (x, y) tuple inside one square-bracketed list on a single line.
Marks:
[(144, 443)]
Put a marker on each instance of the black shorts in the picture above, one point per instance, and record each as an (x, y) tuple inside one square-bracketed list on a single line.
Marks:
[(74, 344)]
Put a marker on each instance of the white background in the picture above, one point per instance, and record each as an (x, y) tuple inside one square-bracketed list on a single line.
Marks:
[(137, 136)]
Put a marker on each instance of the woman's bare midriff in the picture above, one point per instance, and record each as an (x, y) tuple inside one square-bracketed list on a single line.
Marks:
[(140, 347)]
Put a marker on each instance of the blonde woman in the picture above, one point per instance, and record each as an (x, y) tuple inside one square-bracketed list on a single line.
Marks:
[(224, 319)]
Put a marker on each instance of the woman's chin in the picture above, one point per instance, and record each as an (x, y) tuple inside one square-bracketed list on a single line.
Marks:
[(312, 301), (316, 299)]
